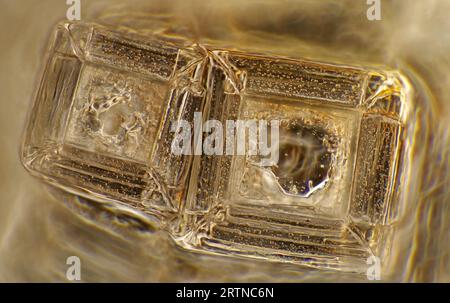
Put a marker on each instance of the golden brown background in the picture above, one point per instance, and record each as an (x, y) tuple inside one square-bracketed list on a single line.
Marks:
[(38, 232)]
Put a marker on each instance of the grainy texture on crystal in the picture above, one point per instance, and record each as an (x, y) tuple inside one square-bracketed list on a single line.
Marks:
[(376, 165), (154, 58), (301, 79)]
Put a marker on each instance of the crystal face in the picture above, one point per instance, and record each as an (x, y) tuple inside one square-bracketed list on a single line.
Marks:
[(101, 127), (115, 113)]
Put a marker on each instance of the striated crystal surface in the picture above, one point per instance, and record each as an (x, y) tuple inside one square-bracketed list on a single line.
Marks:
[(101, 127)]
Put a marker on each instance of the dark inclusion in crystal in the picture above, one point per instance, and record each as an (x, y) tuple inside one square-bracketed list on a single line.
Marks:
[(305, 158)]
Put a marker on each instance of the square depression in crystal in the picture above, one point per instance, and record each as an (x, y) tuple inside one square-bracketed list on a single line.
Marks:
[(316, 157), (115, 113), (329, 201), (97, 112)]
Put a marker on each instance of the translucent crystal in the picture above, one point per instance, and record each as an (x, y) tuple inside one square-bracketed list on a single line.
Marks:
[(97, 114), (100, 127)]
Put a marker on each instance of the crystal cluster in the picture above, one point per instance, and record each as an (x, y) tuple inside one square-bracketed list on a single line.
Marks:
[(100, 127)]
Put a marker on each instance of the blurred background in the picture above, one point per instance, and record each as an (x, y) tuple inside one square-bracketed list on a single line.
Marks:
[(40, 228)]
